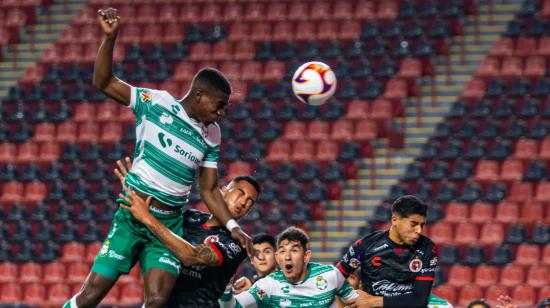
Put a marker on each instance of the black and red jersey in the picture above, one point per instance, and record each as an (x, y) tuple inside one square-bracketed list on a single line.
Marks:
[(393, 271), (201, 286)]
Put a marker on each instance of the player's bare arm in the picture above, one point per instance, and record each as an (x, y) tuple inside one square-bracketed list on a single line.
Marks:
[(189, 255), (212, 197), (103, 67)]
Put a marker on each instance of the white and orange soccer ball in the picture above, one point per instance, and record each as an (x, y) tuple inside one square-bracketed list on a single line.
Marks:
[(314, 83)]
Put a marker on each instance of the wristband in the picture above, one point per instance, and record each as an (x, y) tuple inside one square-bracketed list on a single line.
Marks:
[(231, 224)]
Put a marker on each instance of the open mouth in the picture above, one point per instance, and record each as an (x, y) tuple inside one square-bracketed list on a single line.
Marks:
[(288, 268)]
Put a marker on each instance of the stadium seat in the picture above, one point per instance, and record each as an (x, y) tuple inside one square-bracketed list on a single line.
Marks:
[(132, 277), (460, 275), (475, 89), (12, 192), (524, 294), (59, 293), (30, 272), (77, 271), (456, 212), (381, 109), (486, 275), (307, 31), (244, 50), (544, 293), (489, 67), (543, 192), (10, 272), (131, 295), (318, 130), (503, 47), (466, 233), (469, 293), (538, 276), (387, 10), (512, 170), (107, 112), (49, 152), (294, 130), (512, 275), (27, 152), (35, 294), (532, 212), (481, 212), (326, 151), (278, 151), (507, 212), (233, 12), (535, 66), (72, 252), (35, 192), (298, 10), (88, 132), (521, 192), (276, 11), (364, 10), (54, 273), (111, 132), (526, 149), (546, 254), (528, 254), (357, 110), (441, 233), (494, 291), (491, 234), (302, 150), (10, 293), (342, 130), (349, 29), (525, 46), (544, 47), (487, 170), (8, 152), (66, 132), (365, 130), (112, 298), (44, 132)]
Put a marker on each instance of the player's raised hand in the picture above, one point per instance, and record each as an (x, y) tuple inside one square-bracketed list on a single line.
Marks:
[(505, 301), (109, 21), (245, 240), (241, 285), (121, 171), (139, 208)]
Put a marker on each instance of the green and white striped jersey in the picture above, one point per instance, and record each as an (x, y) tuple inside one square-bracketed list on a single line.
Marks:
[(437, 302), (170, 147), (319, 288)]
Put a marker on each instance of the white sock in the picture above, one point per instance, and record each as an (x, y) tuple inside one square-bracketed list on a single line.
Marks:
[(73, 302)]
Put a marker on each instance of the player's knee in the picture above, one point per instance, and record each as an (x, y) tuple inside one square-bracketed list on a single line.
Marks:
[(88, 298), (155, 299)]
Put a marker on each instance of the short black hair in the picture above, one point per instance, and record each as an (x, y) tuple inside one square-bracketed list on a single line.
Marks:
[(544, 304), (213, 80), (250, 179), (479, 302), (294, 234), (264, 238), (408, 205)]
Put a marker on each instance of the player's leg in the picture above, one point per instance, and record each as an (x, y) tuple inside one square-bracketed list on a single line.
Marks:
[(158, 285), (94, 289)]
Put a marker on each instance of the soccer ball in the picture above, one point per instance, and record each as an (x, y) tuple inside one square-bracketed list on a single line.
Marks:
[(314, 83)]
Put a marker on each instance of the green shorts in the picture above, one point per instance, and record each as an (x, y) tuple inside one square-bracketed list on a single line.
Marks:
[(129, 240)]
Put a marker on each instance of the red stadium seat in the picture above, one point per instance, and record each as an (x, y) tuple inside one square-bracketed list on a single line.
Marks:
[(260, 31), (239, 31), (274, 70), (302, 150), (10, 272), (111, 132), (72, 53), (318, 130), (58, 294), (27, 152), (152, 33), (527, 254), (526, 295), (486, 275), (520, 192), (503, 47), (12, 192), (30, 272), (294, 130), (460, 275), (233, 12), (544, 46), (512, 170), (396, 89), (441, 233), (535, 66), (91, 251), (343, 10), (456, 212), (33, 74), (35, 294), (87, 15), (526, 149), (532, 212), (72, 252), (131, 295), (410, 68), (481, 212), (185, 71), (276, 11), (466, 233), (491, 234), (321, 11), (494, 291), (112, 297), (49, 152), (446, 291), (224, 51), (546, 254), (298, 10), (475, 89), (238, 168), (326, 151), (54, 273), (487, 170), (512, 275), (245, 50), (211, 12), (489, 67), (387, 10), (278, 151), (305, 31), (8, 152), (364, 10), (512, 67), (469, 293), (10, 293), (77, 272), (35, 192), (45, 132), (349, 30), (255, 12), (88, 132), (357, 110), (283, 31), (545, 149), (544, 293), (107, 112), (525, 46), (381, 109), (365, 130), (538, 276), (232, 70), (131, 33), (173, 33), (66, 132), (132, 277), (168, 12), (53, 54), (342, 130), (543, 192), (200, 51), (507, 212)]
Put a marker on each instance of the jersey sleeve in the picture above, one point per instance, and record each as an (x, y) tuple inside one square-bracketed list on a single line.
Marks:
[(343, 288), (352, 259), (140, 100), (211, 157), (256, 296), (229, 254), (430, 263)]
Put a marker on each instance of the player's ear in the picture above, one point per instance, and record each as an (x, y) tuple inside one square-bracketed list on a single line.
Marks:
[(307, 256), (394, 219)]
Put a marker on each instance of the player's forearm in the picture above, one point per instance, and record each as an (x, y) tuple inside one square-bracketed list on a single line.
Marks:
[(216, 204), (103, 67), (182, 249)]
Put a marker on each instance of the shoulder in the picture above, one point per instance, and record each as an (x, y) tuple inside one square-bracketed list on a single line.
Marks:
[(192, 215), (426, 244), (214, 136), (371, 238)]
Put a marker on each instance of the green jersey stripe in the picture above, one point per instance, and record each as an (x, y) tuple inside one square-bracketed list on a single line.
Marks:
[(176, 172), (133, 181)]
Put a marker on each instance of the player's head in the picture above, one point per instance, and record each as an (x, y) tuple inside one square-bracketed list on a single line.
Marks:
[(210, 90), (408, 218), (480, 303), (293, 253), (264, 257), (240, 195)]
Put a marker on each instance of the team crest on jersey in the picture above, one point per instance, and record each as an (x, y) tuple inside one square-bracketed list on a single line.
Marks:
[(285, 288), (211, 239), (165, 118), (261, 294), (176, 109), (321, 283), (145, 96), (415, 266), (105, 248), (354, 263)]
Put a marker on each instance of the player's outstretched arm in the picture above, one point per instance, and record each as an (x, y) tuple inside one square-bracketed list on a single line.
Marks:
[(212, 197), (103, 67), (189, 255)]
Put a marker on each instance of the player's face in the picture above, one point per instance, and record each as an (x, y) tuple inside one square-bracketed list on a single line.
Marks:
[(264, 259), (293, 260), (240, 197), (211, 107), (409, 228)]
